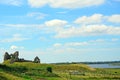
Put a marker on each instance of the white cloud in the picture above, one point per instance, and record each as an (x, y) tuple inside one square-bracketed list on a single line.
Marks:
[(12, 2), (85, 44), (88, 30), (68, 47), (22, 25), (13, 47), (37, 3), (98, 40), (56, 23), (76, 44), (115, 39), (62, 12), (57, 45), (114, 18), (37, 15), (15, 38), (26, 30), (96, 18), (70, 44), (14, 25), (70, 4), (89, 26)]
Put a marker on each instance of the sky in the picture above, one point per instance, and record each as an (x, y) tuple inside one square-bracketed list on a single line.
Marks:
[(61, 30)]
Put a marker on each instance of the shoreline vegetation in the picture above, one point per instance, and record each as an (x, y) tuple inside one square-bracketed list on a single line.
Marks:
[(42, 71)]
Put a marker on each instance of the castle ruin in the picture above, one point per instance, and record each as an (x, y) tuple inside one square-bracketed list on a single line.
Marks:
[(15, 58)]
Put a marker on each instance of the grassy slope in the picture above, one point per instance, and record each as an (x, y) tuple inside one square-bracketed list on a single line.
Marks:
[(8, 76), (34, 71)]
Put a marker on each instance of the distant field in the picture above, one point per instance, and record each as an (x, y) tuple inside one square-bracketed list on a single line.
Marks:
[(35, 71)]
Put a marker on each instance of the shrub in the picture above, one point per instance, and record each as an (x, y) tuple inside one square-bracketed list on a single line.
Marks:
[(49, 69)]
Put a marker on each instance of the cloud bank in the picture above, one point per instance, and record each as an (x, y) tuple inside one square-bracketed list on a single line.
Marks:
[(69, 4)]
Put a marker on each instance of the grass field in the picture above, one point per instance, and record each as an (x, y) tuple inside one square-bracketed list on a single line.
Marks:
[(36, 71)]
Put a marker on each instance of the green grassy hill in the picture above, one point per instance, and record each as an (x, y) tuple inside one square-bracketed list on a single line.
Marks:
[(36, 71)]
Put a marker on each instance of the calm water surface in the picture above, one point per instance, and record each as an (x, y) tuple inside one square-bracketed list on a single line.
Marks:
[(104, 66)]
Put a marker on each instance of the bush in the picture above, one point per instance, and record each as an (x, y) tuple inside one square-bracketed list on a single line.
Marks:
[(49, 69)]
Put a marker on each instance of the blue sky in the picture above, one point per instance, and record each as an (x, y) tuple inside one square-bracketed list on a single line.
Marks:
[(61, 30)]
